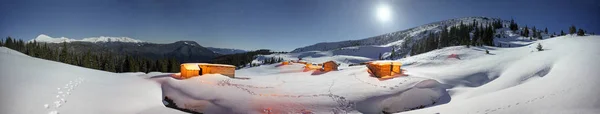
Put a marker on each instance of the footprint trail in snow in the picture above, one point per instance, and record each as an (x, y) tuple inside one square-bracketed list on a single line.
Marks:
[(61, 96)]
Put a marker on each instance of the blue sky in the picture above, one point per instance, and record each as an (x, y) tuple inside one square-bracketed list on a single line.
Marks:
[(280, 25)]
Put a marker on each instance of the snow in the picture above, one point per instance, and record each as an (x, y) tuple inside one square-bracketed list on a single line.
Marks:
[(289, 89), (402, 41), (561, 79), (226, 51), (101, 39), (35, 86)]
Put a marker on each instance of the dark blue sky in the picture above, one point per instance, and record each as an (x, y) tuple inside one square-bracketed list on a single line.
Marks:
[(273, 24)]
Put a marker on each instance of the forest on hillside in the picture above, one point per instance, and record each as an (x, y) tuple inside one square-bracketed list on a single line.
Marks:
[(105, 61)]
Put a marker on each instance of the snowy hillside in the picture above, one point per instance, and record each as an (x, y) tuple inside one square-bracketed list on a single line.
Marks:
[(402, 41), (563, 78), (226, 51), (101, 39), (509, 80), (35, 86)]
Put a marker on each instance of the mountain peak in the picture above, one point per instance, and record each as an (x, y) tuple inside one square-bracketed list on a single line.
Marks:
[(111, 39), (46, 38), (101, 39)]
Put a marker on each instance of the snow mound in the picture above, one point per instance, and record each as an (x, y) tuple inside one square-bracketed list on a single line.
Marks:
[(288, 89), (516, 80), (36, 86)]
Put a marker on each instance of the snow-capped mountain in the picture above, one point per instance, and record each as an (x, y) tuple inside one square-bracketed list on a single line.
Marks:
[(48, 39), (402, 41), (226, 51), (183, 51), (101, 39)]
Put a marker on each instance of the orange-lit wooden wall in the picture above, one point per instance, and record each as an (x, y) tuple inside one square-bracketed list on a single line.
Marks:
[(189, 70), (330, 66), (227, 70), (384, 68)]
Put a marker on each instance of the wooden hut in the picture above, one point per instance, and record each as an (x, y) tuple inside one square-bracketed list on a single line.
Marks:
[(330, 66), (312, 66), (227, 70), (189, 70), (384, 69)]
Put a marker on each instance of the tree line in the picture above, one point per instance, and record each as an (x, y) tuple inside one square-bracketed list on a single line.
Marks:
[(482, 34), (241, 60), (105, 61)]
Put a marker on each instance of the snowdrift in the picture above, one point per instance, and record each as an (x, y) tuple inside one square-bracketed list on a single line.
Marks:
[(350, 90), (560, 79), (35, 86)]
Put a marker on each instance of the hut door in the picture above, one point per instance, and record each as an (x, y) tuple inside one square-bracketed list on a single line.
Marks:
[(200, 71)]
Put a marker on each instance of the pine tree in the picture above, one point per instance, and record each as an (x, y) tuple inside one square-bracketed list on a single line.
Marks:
[(63, 56), (562, 33), (572, 29), (8, 43), (513, 26), (174, 65), (580, 32), (526, 32), (534, 31), (546, 30), (539, 47), (127, 64)]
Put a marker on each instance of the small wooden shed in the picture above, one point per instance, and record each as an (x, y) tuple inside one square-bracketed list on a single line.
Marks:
[(189, 70), (227, 70), (330, 66), (312, 66), (384, 69)]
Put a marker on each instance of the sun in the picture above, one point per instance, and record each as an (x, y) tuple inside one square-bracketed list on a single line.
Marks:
[(383, 13)]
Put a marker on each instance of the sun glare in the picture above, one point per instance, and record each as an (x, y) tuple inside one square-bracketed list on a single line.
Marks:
[(383, 13)]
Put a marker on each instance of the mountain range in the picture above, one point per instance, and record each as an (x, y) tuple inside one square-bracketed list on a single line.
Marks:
[(184, 51)]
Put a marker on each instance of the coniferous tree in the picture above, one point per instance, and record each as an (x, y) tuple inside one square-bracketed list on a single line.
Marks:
[(572, 29), (534, 32), (63, 56), (8, 43), (562, 33), (580, 32), (526, 32), (539, 47), (513, 26), (546, 30), (127, 64)]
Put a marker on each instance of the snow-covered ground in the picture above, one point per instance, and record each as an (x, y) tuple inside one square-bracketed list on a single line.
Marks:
[(564, 78), (290, 89), (35, 86)]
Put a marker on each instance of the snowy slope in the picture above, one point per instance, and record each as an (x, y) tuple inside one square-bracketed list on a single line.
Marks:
[(561, 79), (402, 41), (34, 86), (226, 51), (101, 39), (290, 89)]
